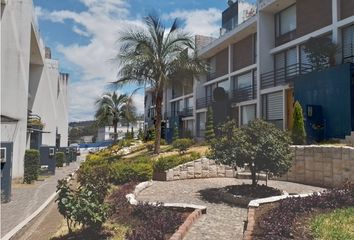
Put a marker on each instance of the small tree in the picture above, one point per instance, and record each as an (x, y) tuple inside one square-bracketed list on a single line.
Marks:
[(60, 159), (140, 134), (259, 144), (132, 132), (210, 131), (298, 132), (175, 133), (321, 52)]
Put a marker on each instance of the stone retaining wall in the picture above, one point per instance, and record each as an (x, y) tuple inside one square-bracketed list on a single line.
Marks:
[(325, 166), (201, 168)]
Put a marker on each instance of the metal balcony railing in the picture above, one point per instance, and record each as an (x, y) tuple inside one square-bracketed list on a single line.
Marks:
[(284, 75), (186, 112), (204, 102), (244, 94)]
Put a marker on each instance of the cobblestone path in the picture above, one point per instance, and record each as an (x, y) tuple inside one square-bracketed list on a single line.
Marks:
[(222, 222)]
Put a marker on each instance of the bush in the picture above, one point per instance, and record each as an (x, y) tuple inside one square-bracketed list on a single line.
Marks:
[(278, 223), (150, 135), (165, 163), (155, 222), (259, 144), (210, 131), (134, 172), (98, 174), (298, 132), (60, 159), (150, 146), (182, 144), (163, 141), (82, 206), (120, 208), (31, 166)]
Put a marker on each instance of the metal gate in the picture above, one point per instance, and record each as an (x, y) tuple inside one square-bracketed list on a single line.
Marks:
[(6, 170)]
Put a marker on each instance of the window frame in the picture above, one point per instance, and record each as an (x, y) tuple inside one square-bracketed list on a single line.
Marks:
[(277, 22)]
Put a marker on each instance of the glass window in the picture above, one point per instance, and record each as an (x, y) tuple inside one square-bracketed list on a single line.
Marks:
[(243, 81), (225, 85), (248, 113), (201, 120), (189, 102), (285, 21), (212, 65)]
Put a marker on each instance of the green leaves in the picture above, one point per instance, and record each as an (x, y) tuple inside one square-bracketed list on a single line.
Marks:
[(298, 132), (31, 166), (259, 144), (83, 206)]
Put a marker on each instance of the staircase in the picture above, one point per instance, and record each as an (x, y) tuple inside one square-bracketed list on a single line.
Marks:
[(349, 140)]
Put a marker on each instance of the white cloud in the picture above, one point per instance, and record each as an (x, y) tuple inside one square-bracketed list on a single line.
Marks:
[(201, 21), (102, 22)]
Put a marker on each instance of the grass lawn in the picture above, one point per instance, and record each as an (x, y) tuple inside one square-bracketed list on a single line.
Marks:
[(336, 225)]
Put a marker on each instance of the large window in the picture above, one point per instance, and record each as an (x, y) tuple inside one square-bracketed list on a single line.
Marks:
[(248, 113), (243, 81), (225, 85), (285, 21), (201, 120)]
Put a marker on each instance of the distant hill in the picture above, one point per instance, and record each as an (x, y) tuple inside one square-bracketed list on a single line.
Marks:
[(82, 123)]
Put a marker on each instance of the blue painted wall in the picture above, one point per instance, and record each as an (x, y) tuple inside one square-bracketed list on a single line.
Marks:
[(331, 89)]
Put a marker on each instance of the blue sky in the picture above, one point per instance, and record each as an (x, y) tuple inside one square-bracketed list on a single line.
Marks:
[(83, 35)]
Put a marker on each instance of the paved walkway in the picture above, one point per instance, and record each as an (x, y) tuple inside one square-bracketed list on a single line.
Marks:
[(221, 221), (26, 199)]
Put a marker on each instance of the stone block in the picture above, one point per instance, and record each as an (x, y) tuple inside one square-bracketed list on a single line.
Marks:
[(221, 169), (169, 175), (205, 173), (183, 175), (229, 173)]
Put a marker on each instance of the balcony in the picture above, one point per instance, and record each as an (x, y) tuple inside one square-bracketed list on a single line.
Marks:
[(186, 112), (244, 94), (284, 75), (204, 102)]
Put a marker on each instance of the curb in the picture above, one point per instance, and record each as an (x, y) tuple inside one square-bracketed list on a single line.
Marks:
[(22, 224)]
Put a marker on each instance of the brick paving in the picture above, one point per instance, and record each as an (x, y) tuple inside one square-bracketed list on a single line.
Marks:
[(26, 199), (221, 221)]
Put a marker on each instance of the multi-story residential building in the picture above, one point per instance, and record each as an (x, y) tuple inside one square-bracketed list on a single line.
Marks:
[(261, 63), (107, 133), (34, 104)]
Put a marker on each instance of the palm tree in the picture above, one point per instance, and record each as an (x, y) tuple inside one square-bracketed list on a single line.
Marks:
[(111, 110), (154, 56)]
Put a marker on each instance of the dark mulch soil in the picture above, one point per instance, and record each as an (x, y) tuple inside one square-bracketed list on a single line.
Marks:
[(257, 191)]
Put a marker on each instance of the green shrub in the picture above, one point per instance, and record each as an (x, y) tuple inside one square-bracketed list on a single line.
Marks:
[(31, 166), (259, 144), (210, 131), (163, 141), (134, 172), (83, 206), (182, 144), (150, 146), (165, 163), (298, 132), (150, 134), (59, 159)]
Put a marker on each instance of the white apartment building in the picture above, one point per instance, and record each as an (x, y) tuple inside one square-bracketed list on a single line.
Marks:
[(34, 103), (107, 133), (261, 64)]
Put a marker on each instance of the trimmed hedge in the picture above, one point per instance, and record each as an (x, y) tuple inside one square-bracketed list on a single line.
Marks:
[(60, 159), (134, 172), (165, 163), (31, 166)]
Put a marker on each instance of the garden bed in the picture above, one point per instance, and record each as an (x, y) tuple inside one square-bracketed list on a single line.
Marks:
[(238, 195), (295, 217)]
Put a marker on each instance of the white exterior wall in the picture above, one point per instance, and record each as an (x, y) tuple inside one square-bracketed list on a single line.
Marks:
[(24, 70)]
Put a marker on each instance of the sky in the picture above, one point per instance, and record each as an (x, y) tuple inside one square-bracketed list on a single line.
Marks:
[(83, 35)]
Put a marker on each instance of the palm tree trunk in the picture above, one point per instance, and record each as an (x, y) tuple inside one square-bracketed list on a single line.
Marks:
[(158, 121), (115, 131)]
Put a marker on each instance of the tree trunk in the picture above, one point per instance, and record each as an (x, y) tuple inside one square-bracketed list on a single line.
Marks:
[(253, 175), (158, 121), (115, 131)]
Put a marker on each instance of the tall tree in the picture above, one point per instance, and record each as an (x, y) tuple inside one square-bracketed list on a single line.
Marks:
[(156, 56), (111, 110)]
